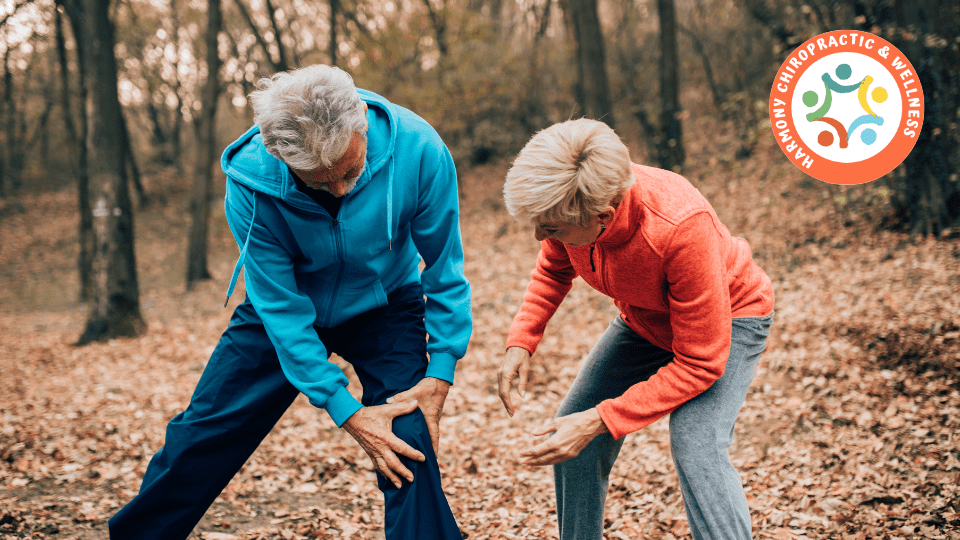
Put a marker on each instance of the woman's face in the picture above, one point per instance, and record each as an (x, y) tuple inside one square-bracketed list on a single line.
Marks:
[(570, 234)]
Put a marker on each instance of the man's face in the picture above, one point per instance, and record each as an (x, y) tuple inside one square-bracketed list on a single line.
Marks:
[(342, 176)]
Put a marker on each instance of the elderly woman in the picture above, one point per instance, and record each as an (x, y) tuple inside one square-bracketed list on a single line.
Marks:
[(695, 310)]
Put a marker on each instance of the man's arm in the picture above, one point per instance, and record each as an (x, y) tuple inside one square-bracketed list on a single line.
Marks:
[(435, 231), (288, 318), (287, 314)]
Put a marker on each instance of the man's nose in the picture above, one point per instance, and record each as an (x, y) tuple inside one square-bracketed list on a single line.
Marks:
[(339, 188)]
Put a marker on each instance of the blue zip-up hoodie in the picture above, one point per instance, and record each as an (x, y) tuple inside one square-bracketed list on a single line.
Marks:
[(304, 269)]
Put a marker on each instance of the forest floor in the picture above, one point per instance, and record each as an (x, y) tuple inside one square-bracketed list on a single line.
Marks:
[(850, 429)]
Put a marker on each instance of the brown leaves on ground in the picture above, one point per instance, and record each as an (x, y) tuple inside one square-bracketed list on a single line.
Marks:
[(849, 431)]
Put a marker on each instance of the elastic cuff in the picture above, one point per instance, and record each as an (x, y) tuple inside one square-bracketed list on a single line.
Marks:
[(612, 427), (341, 406), (442, 366)]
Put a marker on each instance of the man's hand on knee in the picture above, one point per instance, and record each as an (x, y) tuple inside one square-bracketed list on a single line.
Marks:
[(372, 427), (431, 393)]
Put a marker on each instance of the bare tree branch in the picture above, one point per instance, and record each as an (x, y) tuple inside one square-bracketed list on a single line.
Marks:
[(16, 8)]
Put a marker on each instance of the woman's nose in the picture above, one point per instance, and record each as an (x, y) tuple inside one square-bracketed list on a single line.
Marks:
[(539, 234)]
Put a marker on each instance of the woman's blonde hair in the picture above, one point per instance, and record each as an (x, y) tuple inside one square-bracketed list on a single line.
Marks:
[(568, 173)]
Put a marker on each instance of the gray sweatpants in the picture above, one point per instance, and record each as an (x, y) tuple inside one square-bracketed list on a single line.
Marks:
[(700, 432)]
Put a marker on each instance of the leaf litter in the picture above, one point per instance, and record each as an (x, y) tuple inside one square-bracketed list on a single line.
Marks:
[(849, 431)]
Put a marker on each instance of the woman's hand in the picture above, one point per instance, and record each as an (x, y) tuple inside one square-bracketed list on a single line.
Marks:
[(570, 435), (516, 363)]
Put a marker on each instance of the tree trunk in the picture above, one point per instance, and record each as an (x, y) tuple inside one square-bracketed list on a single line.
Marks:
[(131, 161), (334, 7), (206, 139), (932, 197), (116, 302), (78, 134), (278, 65), (593, 88), (11, 180), (670, 148)]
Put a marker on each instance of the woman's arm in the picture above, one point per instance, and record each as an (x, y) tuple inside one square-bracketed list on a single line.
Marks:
[(699, 301)]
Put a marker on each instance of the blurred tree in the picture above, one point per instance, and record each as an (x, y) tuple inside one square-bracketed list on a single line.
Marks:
[(592, 89), (15, 129), (928, 33), (116, 302), (206, 153), (274, 50), (926, 198), (76, 139), (666, 135), (670, 150), (332, 48)]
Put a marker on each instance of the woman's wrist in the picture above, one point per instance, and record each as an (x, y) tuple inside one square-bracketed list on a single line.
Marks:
[(597, 424)]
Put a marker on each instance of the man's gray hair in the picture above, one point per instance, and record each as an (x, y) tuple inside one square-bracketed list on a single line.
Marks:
[(308, 116)]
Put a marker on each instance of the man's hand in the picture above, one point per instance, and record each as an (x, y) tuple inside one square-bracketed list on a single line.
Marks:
[(372, 427), (431, 393), (516, 363), (570, 435)]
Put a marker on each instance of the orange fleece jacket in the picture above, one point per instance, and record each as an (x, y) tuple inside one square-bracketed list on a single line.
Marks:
[(676, 275)]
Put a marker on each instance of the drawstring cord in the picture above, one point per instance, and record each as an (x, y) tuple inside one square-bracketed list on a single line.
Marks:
[(243, 253), (390, 205)]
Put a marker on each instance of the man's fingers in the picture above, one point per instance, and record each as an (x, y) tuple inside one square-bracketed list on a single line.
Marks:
[(399, 447), (433, 427), (406, 395), (400, 408), (388, 472), (397, 466)]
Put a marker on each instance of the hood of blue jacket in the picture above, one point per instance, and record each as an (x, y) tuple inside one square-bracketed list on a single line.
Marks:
[(248, 161)]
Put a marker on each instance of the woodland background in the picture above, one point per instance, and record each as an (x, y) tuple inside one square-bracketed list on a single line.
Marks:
[(849, 430)]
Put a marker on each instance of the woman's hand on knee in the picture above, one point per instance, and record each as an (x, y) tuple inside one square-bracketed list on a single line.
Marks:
[(372, 427), (570, 435), (516, 364)]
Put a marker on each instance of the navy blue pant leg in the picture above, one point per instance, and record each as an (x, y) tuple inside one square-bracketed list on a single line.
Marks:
[(387, 348), (241, 395)]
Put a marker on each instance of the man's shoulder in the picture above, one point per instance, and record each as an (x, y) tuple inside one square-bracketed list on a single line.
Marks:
[(407, 122)]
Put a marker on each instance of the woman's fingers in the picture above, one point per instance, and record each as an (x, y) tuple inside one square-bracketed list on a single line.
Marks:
[(549, 427), (505, 378), (523, 371), (516, 363)]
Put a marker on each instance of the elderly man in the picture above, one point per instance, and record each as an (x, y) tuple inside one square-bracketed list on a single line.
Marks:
[(333, 197)]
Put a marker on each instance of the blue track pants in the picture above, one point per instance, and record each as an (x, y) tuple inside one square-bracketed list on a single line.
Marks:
[(243, 393)]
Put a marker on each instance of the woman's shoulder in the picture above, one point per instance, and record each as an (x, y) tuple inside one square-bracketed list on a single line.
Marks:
[(666, 194)]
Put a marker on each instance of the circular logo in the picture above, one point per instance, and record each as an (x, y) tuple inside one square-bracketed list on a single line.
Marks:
[(846, 107)]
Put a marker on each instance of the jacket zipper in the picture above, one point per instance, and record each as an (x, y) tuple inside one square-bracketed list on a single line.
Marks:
[(603, 281), (336, 289)]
